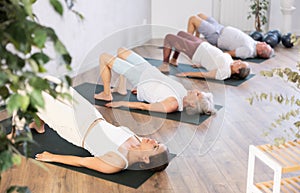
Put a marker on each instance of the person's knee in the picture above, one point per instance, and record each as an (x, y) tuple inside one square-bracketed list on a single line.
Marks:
[(106, 59), (202, 16), (169, 40), (193, 19)]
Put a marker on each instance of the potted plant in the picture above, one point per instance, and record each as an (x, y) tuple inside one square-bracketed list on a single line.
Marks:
[(259, 10), (22, 57), (292, 78)]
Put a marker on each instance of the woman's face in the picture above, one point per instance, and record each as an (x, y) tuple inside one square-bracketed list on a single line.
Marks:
[(151, 147)]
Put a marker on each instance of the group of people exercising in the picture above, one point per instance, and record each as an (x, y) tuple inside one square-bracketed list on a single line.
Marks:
[(118, 148)]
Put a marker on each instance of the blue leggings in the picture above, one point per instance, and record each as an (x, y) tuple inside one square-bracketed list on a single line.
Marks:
[(132, 68)]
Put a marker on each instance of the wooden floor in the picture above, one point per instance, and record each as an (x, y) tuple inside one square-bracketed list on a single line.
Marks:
[(212, 157)]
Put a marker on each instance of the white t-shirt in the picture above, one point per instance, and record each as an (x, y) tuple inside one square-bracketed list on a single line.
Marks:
[(234, 39), (212, 58), (156, 87)]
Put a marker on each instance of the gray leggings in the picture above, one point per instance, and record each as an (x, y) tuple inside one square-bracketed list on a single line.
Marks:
[(183, 42)]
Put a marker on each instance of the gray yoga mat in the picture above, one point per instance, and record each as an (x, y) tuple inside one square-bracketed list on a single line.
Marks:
[(188, 68), (87, 90), (50, 141)]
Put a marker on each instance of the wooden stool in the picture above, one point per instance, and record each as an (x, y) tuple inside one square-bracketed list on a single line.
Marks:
[(282, 159)]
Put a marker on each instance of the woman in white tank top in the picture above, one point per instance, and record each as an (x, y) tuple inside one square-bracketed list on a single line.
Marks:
[(113, 148)]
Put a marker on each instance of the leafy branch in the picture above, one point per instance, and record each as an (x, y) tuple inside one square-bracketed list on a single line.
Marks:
[(22, 64), (292, 78)]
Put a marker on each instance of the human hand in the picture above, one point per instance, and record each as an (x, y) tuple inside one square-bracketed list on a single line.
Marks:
[(45, 157), (182, 74), (196, 65), (115, 104)]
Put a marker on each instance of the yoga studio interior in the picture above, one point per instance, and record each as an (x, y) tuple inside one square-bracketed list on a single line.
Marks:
[(244, 140)]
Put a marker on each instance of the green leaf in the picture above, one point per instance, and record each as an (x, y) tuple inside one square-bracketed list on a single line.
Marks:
[(60, 48), (68, 59), (263, 96), (37, 99), (34, 65), (57, 6), (16, 159), (14, 102), (4, 92), (40, 58), (297, 124), (5, 160), (25, 100), (39, 38), (38, 83), (28, 7), (298, 102)]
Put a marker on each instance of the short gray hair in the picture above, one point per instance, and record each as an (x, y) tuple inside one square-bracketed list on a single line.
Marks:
[(203, 106)]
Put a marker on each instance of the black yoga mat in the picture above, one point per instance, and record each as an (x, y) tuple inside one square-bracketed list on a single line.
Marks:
[(254, 60), (188, 68), (52, 142), (87, 90)]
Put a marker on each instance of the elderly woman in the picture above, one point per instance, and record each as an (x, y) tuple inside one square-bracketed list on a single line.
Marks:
[(113, 148), (220, 65), (161, 93), (232, 40)]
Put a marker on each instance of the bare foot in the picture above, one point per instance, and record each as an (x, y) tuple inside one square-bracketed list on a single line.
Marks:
[(40, 129), (164, 67), (103, 96), (174, 62), (119, 90)]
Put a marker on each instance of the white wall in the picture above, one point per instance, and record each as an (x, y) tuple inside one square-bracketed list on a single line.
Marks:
[(174, 14), (276, 18), (103, 19)]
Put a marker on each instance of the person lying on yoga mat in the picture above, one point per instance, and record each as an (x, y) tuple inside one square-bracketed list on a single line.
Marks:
[(161, 93), (220, 65), (232, 40), (114, 148)]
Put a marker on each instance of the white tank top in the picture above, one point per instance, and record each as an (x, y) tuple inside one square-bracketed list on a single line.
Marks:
[(71, 121), (105, 137)]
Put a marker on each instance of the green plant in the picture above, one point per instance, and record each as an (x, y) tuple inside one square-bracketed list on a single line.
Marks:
[(259, 10), (22, 60), (292, 78)]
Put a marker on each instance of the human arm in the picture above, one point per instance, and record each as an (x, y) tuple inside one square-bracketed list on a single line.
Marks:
[(231, 53), (209, 74), (93, 163), (168, 105)]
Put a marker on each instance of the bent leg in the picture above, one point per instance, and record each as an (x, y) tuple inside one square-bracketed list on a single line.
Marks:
[(130, 56), (181, 45), (188, 36), (106, 62), (193, 25), (202, 16)]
